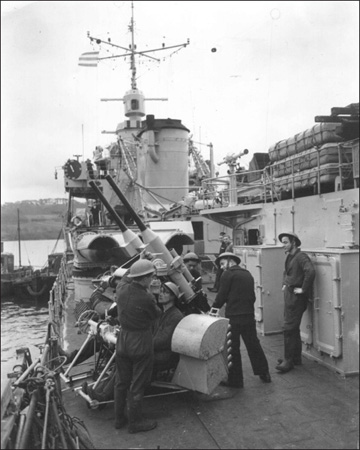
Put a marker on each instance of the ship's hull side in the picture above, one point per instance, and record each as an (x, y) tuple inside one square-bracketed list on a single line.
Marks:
[(327, 220)]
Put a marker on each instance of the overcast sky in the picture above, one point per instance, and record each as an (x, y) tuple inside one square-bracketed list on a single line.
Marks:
[(253, 74)]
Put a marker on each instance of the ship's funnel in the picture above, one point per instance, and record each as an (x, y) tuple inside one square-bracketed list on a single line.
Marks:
[(132, 241)]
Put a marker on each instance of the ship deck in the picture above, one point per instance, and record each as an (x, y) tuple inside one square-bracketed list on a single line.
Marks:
[(308, 408)]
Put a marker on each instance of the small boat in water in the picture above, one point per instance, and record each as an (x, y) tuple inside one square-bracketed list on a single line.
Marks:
[(38, 283), (24, 282), (11, 274)]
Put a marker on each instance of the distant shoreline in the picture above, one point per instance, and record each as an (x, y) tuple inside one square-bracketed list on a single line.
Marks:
[(24, 238), (39, 220)]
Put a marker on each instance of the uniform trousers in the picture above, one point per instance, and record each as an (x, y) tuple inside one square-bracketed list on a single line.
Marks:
[(244, 326), (295, 306), (104, 391), (164, 360), (134, 364)]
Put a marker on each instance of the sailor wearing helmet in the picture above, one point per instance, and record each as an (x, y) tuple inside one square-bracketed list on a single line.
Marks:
[(137, 310), (298, 278), (237, 291), (192, 262), (164, 328), (164, 358)]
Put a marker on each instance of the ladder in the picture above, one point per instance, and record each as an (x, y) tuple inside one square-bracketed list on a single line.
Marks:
[(201, 166)]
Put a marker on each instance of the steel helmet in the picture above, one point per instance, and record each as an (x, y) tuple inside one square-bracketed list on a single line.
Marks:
[(292, 235), (141, 268), (227, 255), (191, 257), (173, 288)]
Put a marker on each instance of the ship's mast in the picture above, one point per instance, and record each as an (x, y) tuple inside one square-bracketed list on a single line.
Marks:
[(134, 99), (132, 51), (133, 66), (19, 238)]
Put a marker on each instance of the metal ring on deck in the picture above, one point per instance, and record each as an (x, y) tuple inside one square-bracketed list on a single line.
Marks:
[(62, 357)]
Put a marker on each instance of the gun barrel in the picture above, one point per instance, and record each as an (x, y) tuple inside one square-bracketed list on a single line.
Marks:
[(107, 205), (155, 245), (122, 197)]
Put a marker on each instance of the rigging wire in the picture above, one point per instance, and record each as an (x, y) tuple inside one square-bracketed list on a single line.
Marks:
[(57, 240)]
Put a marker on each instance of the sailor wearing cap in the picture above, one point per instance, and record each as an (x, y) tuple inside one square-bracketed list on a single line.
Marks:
[(237, 292), (137, 311), (298, 278)]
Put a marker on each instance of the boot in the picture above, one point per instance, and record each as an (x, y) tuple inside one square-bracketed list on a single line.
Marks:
[(120, 406), (297, 362), (213, 289), (120, 422), (285, 366), (237, 385), (298, 351), (138, 423), (265, 377)]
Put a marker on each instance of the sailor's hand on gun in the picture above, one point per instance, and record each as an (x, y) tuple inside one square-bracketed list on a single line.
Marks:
[(214, 312), (104, 284), (146, 255)]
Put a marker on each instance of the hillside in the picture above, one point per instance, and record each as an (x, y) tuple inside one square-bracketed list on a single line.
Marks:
[(41, 219)]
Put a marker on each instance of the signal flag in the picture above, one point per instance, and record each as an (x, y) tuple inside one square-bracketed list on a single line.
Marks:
[(89, 59)]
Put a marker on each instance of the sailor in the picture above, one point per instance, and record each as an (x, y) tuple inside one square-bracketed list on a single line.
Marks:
[(164, 358), (298, 278), (192, 262), (228, 243), (102, 305), (225, 246), (137, 311), (237, 291)]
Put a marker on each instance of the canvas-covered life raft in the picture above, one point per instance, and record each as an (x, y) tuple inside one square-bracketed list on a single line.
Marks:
[(319, 134), (330, 153), (311, 158)]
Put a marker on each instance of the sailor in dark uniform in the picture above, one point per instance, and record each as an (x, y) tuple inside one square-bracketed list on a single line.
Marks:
[(164, 358), (137, 311), (237, 291), (298, 278)]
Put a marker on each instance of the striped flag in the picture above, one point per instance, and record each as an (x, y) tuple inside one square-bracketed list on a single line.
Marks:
[(89, 59)]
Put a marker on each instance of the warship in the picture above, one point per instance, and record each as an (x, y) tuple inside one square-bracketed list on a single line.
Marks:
[(138, 201)]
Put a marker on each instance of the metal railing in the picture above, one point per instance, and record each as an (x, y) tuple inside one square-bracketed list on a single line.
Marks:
[(268, 186), (58, 292)]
